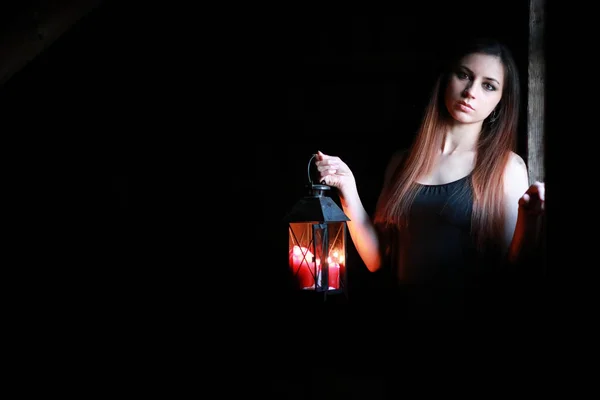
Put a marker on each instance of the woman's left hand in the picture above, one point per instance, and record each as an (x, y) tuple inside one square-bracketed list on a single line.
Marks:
[(533, 200)]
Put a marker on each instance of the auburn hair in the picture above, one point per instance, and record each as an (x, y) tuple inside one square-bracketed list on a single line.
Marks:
[(496, 141)]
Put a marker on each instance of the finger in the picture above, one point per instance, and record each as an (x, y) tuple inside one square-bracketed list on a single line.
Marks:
[(541, 188), (325, 157), (325, 172), (327, 180), (524, 200), (531, 204), (537, 189), (326, 165), (533, 189)]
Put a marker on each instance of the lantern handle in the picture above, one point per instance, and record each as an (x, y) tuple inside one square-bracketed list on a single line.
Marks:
[(309, 161)]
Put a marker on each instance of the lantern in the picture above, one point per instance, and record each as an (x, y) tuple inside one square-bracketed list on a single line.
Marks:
[(317, 242)]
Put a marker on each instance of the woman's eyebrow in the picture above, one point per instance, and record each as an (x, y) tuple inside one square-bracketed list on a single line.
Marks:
[(485, 77)]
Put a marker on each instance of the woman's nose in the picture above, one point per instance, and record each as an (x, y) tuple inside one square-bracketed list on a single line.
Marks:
[(468, 92)]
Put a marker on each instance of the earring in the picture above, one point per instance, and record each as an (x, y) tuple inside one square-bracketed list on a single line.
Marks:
[(493, 116)]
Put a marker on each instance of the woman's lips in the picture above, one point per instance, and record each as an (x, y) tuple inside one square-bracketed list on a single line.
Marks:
[(464, 106)]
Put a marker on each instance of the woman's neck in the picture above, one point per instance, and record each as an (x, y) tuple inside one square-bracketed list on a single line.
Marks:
[(461, 138)]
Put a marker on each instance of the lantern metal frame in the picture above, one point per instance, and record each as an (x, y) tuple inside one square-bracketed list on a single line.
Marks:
[(325, 218)]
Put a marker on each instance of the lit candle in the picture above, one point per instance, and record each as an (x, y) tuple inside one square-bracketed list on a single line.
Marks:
[(334, 274), (301, 262)]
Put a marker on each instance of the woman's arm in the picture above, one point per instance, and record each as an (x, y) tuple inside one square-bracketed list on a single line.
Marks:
[(334, 172), (526, 237), (361, 229), (524, 205)]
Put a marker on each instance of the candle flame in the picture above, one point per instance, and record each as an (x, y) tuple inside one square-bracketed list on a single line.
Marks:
[(337, 257), (309, 275), (302, 253)]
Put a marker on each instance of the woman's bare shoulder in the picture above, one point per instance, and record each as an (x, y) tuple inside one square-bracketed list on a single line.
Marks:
[(516, 165), (516, 175)]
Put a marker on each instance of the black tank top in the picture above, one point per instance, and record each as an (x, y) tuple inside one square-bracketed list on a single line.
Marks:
[(436, 247)]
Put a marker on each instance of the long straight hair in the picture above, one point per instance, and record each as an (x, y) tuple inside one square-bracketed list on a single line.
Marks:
[(497, 139)]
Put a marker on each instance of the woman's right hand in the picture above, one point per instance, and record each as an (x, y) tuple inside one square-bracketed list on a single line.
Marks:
[(334, 172)]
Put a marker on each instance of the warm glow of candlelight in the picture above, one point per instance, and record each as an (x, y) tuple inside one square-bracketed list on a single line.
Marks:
[(307, 268)]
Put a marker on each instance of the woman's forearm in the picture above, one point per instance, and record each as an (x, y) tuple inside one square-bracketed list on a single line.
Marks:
[(525, 239), (362, 231)]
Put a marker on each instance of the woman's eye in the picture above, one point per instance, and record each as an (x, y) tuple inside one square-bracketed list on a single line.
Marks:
[(489, 87), (462, 75)]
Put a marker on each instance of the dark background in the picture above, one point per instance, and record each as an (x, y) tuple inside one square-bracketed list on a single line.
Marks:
[(175, 139), (162, 146)]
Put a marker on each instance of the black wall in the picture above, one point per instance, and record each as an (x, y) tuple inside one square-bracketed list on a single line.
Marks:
[(179, 138), (168, 144)]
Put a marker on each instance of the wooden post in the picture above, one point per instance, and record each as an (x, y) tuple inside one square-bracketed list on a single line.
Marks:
[(536, 93), (536, 115)]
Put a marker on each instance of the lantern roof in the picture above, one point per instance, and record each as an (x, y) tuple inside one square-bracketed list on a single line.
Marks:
[(316, 207)]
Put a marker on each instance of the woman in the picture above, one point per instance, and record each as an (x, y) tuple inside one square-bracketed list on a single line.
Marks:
[(456, 207)]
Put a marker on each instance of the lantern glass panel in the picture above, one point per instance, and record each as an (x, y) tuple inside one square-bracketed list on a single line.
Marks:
[(317, 255)]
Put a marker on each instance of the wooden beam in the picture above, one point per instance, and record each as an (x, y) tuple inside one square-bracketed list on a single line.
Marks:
[(536, 117), (35, 28), (536, 92)]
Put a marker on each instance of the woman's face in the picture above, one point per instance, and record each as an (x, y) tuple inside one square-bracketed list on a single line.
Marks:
[(475, 88)]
